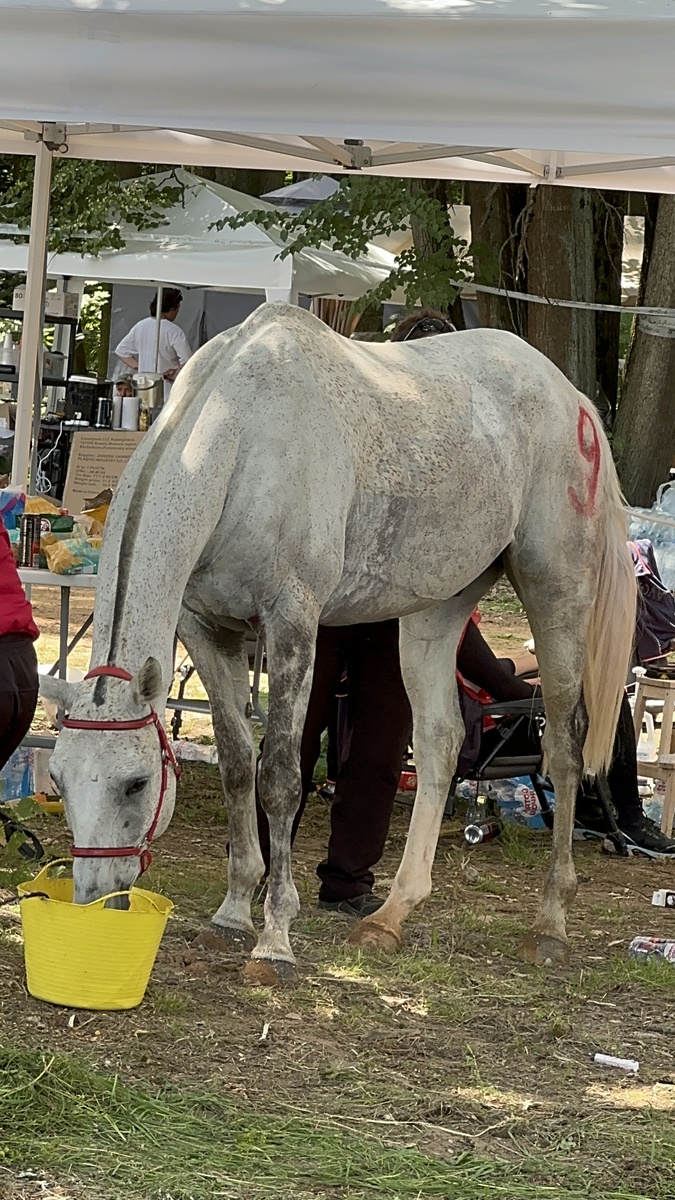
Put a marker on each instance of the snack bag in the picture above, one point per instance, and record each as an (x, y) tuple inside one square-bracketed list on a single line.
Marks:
[(97, 507), (89, 526), (72, 556), (49, 539), (12, 505), (98, 514), (42, 505), (14, 536)]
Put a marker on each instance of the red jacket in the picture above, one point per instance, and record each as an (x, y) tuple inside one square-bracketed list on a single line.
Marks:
[(16, 614)]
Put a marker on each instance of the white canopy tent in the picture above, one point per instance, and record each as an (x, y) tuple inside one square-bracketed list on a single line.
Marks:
[(499, 89), (566, 91), (187, 250)]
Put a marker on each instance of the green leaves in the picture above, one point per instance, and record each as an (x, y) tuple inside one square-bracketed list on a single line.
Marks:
[(430, 271), (89, 202)]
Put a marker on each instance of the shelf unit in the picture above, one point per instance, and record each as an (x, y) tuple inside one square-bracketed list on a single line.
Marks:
[(12, 314)]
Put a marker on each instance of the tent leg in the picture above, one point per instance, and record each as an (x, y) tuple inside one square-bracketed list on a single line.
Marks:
[(158, 330), (31, 336)]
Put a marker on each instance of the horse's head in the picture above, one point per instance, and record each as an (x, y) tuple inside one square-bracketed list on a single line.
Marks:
[(114, 770)]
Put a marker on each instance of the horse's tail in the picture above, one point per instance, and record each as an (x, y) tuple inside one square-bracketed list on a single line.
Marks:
[(612, 626)]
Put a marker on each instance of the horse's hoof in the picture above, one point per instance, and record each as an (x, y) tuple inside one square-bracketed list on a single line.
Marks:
[(542, 950), (371, 936), (225, 939), (265, 972)]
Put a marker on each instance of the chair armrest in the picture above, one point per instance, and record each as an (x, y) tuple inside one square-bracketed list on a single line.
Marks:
[(515, 708)]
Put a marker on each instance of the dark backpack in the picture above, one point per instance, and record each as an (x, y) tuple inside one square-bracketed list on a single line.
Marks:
[(655, 622)]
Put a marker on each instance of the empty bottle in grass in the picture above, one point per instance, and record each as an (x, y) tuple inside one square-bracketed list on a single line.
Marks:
[(482, 820), (643, 948), (484, 831)]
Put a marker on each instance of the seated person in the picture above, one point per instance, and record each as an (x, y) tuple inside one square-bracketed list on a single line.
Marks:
[(498, 680), (124, 385)]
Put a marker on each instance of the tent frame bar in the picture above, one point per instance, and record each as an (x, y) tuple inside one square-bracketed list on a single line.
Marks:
[(30, 362), (633, 164)]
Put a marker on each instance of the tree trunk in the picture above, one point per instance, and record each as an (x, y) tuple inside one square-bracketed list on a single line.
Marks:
[(426, 245), (609, 209), (644, 438), (560, 264), (497, 227)]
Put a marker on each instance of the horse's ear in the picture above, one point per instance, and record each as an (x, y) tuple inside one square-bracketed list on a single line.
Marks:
[(57, 691), (148, 683)]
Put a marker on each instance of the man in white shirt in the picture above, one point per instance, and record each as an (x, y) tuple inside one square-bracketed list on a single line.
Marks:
[(137, 349)]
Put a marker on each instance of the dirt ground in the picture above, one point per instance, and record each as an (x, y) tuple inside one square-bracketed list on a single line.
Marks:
[(453, 1046), (458, 1070)]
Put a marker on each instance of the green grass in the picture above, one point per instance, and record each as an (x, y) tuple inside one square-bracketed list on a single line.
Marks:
[(618, 974), (59, 1116), (449, 1070), (522, 847), (170, 1003), (501, 599)]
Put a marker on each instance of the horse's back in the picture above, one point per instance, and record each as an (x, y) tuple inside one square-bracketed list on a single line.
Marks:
[(400, 411)]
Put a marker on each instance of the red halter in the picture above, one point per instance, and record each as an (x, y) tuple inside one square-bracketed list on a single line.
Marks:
[(168, 757)]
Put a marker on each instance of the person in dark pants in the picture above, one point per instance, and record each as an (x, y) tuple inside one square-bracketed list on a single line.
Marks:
[(18, 661), (368, 776)]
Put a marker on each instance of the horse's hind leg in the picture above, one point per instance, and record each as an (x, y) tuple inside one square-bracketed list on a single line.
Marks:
[(222, 663), (429, 643), (558, 606)]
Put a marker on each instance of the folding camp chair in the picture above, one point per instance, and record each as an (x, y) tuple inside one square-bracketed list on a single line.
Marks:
[(495, 762)]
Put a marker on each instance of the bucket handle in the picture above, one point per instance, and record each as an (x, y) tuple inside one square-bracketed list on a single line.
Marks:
[(100, 901), (54, 862)]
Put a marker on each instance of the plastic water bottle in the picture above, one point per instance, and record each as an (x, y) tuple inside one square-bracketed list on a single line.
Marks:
[(665, 499), (665, 561), (646, 746), (652, 806), (16, 777), (7, 351)]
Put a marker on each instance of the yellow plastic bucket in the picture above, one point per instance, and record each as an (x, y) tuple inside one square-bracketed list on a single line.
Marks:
[(87, 955)]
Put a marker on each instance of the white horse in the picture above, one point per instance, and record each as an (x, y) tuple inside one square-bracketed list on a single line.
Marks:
[(296, 478)]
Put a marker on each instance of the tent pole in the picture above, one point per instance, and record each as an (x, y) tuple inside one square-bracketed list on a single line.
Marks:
[(31, 337), (160, 296)]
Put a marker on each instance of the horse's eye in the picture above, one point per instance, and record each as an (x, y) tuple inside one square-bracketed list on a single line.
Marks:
[(135, 787)]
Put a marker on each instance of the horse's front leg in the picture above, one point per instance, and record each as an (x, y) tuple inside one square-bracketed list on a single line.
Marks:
[(290, 636), (222, 662)]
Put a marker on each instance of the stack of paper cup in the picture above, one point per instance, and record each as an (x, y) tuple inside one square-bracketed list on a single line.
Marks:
[(130, 412)]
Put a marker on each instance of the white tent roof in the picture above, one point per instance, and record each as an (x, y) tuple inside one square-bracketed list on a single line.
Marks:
[(187, 250), (565, 91)]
